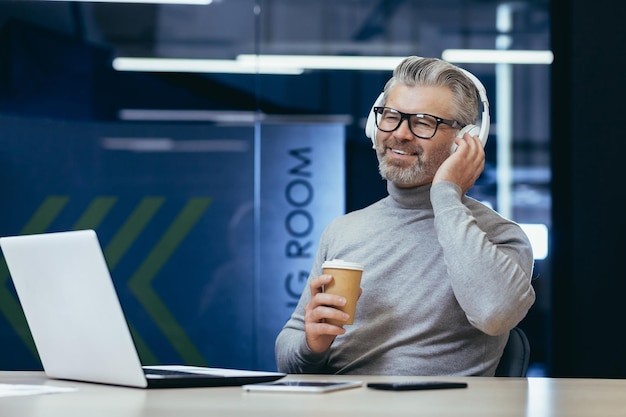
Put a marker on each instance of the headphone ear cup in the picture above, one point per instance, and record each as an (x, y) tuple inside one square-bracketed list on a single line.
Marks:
[(370, 125), (471, 129)]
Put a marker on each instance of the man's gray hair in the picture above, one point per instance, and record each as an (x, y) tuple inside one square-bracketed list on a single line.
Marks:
[(433, 72)]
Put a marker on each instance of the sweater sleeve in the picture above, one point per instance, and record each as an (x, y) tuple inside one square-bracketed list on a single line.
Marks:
[(489, 260), (293, 355)]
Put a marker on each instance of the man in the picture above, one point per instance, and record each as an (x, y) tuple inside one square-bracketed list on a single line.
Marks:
[(445, 277)]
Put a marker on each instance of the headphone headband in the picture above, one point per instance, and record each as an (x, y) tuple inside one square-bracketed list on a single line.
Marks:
[(482, 93)]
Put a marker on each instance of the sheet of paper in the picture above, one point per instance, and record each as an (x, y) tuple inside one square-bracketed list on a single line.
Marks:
[(12, 390)]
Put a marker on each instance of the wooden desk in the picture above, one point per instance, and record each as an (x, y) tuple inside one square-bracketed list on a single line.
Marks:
[(484, 397)]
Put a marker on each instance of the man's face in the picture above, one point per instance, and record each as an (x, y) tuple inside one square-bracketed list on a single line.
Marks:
[(405, 159)]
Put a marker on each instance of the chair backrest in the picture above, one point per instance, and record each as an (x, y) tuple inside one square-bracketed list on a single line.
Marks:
[(516, 355)]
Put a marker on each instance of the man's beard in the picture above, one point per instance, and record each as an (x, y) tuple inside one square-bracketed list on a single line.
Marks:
[(402, 175), (419, 172)]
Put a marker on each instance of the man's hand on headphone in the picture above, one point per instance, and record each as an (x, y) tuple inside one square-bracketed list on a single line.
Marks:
[(465, 165)]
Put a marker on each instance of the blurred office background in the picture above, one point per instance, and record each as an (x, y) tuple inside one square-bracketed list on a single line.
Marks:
[(208, 145)]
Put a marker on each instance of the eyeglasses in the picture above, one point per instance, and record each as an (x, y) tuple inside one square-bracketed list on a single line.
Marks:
[(422, 125)]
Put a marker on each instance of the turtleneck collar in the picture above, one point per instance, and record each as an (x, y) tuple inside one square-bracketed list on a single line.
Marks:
[(410, 198)]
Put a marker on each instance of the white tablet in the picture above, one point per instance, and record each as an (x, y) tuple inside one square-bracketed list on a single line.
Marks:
[(296, 385)]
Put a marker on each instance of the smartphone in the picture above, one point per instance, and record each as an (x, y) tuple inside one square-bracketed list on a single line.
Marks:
[(303, 386), (419, 385)]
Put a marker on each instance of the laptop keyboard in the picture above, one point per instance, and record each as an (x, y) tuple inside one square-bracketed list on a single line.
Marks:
[(169, 373)]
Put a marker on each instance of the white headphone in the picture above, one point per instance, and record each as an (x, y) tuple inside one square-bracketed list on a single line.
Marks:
[(482, 132)]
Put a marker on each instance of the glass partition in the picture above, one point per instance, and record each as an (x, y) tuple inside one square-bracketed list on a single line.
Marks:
[(231, 133)]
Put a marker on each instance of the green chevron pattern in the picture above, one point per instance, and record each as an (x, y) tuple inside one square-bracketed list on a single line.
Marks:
[(140, 282)]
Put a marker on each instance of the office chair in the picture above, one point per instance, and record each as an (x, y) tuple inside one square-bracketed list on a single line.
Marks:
[(516, 355)]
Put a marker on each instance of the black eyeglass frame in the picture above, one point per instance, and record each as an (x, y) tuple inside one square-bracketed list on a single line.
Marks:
[(406, 116)]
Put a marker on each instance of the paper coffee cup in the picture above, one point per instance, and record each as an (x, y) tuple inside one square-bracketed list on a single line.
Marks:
[(346, 283)]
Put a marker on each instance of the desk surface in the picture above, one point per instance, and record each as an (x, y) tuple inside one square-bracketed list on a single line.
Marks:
[(484, 397)]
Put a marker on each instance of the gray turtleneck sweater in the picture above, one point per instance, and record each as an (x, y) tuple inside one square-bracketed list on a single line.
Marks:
[(445, 279)]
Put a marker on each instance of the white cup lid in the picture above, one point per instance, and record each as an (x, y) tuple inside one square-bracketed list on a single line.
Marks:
[(341, 264)]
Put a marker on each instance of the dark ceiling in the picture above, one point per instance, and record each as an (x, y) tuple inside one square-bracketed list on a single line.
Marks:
[(229, 27), (64, 49)]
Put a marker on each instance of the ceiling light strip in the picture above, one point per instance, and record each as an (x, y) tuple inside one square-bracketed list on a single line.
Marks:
[(494, 56), (296, 64), (224, 66), (325, 62), (192, 2)]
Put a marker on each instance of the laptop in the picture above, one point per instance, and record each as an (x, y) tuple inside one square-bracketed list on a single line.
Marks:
[(76, 320)]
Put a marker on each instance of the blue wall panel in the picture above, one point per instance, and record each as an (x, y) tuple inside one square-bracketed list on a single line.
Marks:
[(177, 209)]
